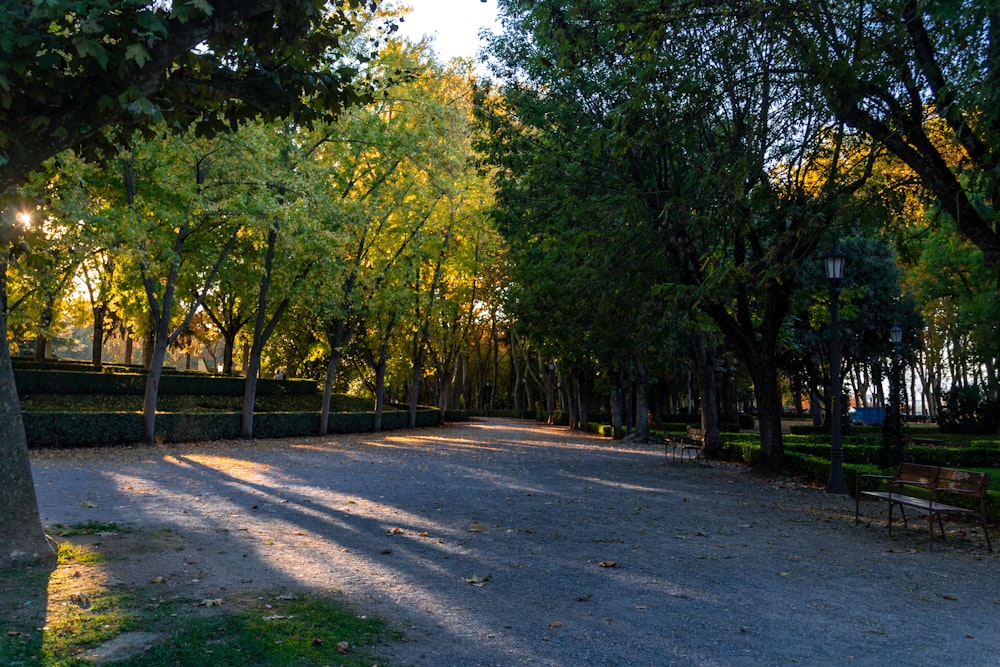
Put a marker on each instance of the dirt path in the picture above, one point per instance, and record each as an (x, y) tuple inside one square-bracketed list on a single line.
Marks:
[(579, 552)]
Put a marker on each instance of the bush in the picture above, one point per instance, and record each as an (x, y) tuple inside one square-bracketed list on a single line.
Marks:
[(967, 410), (34, 381), (76, 429)]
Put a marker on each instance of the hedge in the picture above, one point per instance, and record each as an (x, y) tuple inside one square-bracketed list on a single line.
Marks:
[(75, 429), (32, 381)]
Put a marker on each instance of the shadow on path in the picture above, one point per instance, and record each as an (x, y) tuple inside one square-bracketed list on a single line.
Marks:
[(580, 551)]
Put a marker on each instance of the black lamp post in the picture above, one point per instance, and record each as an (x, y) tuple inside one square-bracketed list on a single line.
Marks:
[(834, 262), (896, 336)]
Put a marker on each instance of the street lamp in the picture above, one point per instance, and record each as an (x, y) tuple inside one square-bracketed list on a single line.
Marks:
[(834, 261), (896, 336)]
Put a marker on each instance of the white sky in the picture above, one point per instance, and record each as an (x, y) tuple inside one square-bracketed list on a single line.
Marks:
[(453, 24)]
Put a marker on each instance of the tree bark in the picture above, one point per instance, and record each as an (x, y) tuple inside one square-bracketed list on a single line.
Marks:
[(617, 408), (642, 402), (22, 538), (704, 355), (97, 354), (337, 336)]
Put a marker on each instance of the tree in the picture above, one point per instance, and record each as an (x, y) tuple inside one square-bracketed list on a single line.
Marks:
[(694, 123), (900, 71), (71, 69)]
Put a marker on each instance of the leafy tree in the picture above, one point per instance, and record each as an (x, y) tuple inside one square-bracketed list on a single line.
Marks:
[(69, 69), (705, 136), (904, 70)]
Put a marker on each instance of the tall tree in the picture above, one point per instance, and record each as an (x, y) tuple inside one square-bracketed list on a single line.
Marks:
[(702, 131), (71, 69), (900, 71)]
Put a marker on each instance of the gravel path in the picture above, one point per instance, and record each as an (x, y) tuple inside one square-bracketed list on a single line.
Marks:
[(502, 542)]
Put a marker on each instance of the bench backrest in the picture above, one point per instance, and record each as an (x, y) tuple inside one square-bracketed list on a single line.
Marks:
[(695, 432), (962, 481), (916, 473)]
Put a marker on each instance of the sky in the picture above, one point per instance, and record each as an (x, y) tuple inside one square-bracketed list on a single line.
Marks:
[(453, 24)]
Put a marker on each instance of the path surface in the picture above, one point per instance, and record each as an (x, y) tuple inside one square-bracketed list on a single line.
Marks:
[(595, 553)]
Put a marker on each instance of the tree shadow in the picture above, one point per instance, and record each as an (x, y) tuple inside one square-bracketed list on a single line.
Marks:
[(24, 597)]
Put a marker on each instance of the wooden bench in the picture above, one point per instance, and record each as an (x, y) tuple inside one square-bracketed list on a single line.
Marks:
[(691, 443), (934, 482)]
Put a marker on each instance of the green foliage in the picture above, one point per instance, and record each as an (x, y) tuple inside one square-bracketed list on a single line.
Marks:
[(68, 69), (76, 429), (968, 410), (31, 381)]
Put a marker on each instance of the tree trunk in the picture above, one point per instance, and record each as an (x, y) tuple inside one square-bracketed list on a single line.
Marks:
[(380, 385), (763, 371), (97, 356), (257, 346), (228, 347), (22, 537), (158, 352), (642, 402), (704, 354), (617, 430), (128, 349), (584, 382), (566, 396), (418, 370), (336, 337)]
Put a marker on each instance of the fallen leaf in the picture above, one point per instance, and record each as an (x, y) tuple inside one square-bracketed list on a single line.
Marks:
[(158, 580), (87, 504), (608, 563), (949, 597), (214, 602), (585, 598), (425, 534), (555, 624), (476, 528), (317, 641), (343, 647), (477, 581)]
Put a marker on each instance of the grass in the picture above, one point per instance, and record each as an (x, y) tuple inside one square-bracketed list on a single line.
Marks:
[(54, 617)]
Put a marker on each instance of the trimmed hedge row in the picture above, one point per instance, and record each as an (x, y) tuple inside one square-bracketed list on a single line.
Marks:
[(32, 381), (75, 429)]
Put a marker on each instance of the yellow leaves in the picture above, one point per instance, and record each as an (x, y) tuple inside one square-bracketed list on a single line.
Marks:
[(210, 602)]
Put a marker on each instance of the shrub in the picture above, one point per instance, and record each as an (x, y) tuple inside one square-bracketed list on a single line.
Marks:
[(967, 410), (34, 381)]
